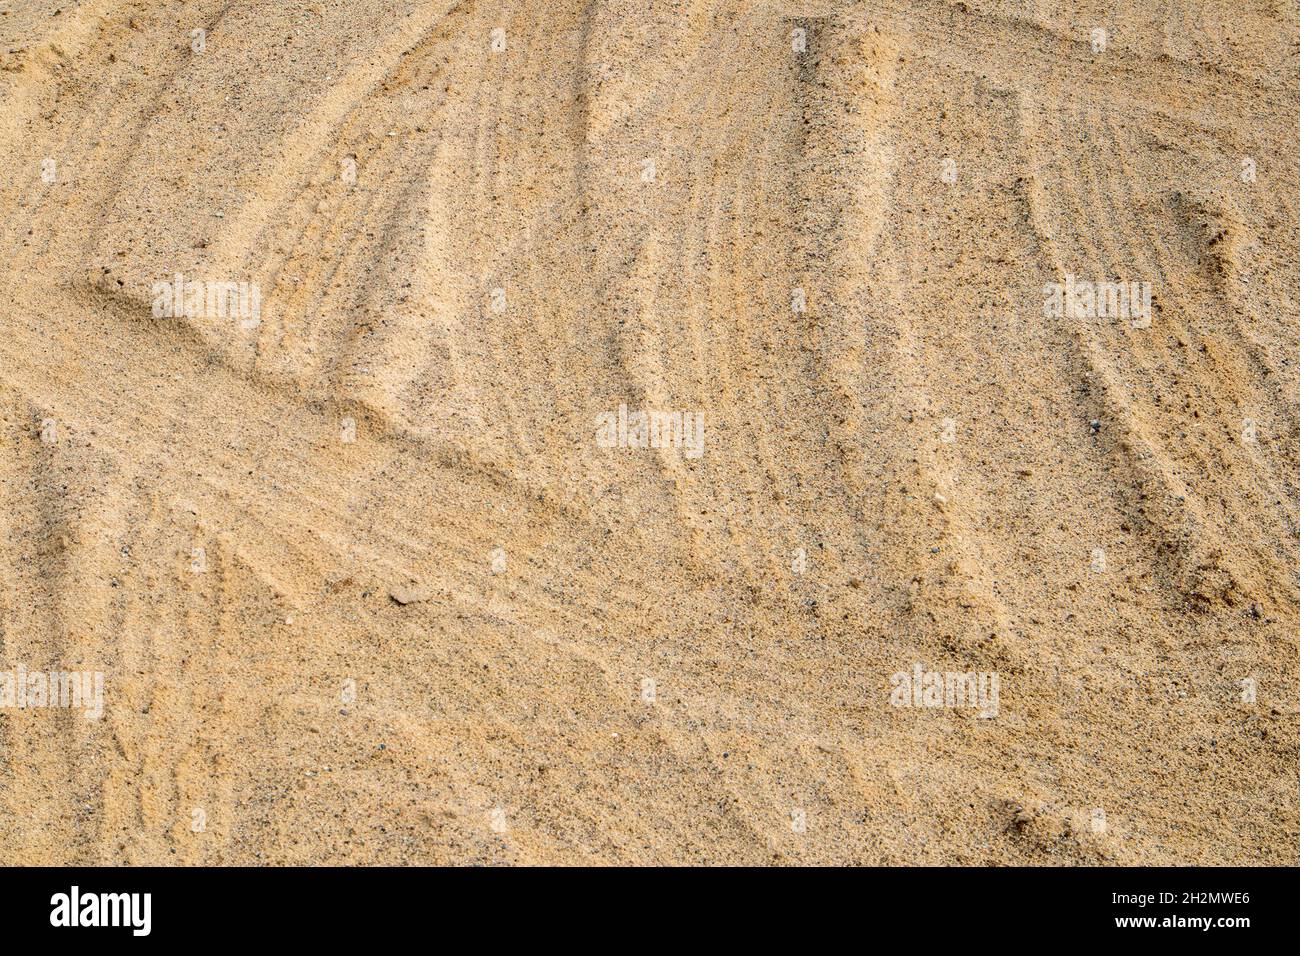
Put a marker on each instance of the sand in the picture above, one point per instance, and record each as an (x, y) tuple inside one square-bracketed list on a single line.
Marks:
[(366, 548)]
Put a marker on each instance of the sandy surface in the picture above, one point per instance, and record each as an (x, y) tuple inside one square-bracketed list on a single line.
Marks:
[(362, 580)]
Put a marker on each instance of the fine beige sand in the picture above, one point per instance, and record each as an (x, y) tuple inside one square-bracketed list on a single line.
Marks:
[(366, 586)]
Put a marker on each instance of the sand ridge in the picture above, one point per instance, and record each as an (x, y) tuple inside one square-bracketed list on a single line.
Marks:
[(365, 584)]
